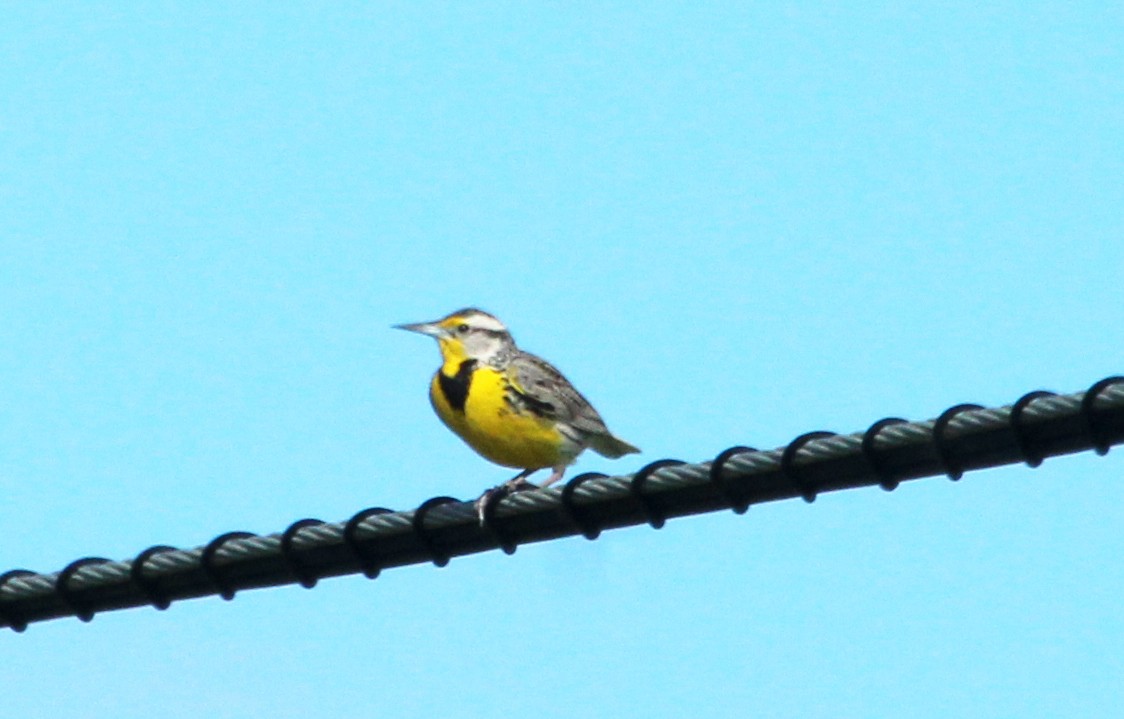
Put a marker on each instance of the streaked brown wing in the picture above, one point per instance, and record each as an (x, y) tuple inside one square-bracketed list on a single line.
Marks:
[(550, 394)]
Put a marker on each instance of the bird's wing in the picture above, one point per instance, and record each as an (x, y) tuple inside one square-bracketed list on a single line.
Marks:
[(549, 394)]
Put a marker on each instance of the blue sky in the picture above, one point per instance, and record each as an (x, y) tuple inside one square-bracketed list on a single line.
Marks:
[(726, 224)]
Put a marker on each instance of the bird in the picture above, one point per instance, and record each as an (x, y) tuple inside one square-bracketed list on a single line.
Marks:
[(512, 407)]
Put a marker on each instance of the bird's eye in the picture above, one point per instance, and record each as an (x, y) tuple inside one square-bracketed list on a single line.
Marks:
[(462, 328)]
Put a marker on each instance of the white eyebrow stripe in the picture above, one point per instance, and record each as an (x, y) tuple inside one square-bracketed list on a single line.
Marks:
[(485, 322)]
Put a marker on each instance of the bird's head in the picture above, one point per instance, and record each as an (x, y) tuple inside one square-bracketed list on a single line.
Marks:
[(467, 334)]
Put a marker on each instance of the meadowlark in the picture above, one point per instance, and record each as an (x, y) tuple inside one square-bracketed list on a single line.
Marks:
[(512, 407)]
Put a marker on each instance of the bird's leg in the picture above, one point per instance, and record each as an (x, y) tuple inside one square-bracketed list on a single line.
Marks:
[(518, 483), (554, 476)]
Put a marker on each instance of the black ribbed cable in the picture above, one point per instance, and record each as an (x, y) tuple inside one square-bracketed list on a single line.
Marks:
[(964, 438)]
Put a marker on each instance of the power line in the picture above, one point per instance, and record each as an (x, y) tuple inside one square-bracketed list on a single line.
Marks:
[(963, 438)]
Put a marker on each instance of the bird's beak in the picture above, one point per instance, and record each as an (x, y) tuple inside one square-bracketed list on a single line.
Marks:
[(426, 328)]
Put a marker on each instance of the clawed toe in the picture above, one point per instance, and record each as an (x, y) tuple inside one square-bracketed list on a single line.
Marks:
[(518, 484), (490, 497)]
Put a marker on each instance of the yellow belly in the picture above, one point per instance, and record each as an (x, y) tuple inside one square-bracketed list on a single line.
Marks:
[(493, 428)]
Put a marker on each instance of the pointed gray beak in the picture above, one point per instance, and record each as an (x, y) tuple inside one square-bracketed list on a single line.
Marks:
[(425, 328)]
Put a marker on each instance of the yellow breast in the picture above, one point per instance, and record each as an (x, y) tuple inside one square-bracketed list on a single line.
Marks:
[(492, 427)]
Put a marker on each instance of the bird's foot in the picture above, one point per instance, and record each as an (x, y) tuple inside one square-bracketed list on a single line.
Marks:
[(518, 483)]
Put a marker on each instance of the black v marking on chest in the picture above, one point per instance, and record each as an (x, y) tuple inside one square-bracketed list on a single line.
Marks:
[(455, 387)]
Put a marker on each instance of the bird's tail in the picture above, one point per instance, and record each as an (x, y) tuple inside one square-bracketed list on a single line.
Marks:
[(609, 446)]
